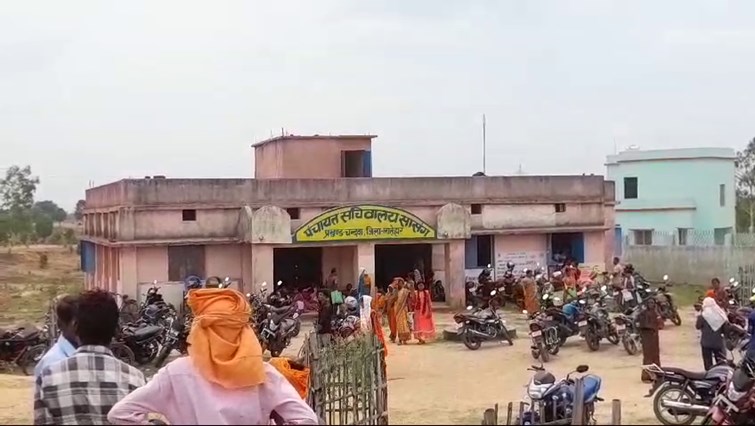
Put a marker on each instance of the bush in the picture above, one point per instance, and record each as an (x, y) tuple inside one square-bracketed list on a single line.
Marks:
[(43, 227)]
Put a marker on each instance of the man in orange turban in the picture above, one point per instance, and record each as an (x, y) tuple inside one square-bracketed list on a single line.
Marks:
[(223, 381)]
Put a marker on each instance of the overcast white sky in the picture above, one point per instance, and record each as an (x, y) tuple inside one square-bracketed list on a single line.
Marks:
[(101, 90)]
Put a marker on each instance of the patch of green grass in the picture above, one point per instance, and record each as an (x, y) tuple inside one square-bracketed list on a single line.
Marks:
[(686, 294)]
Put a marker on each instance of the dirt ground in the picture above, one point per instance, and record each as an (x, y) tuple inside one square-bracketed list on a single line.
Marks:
[(26, 289), (444, 382)]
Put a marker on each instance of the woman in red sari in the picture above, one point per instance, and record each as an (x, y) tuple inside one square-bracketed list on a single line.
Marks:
[(424, 326)]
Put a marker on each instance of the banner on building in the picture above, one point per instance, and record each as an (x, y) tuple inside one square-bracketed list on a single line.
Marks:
[(521, 259), (364, 222)]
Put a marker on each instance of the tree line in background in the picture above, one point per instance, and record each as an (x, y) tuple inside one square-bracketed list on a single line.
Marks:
[(25, 221)]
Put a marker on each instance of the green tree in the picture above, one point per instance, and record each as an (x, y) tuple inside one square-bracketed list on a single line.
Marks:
[(43, 226), (18, 188), (78, 212), (50, 209), (745, 174)]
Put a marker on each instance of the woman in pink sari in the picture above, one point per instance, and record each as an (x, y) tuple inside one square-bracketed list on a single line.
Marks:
[(424, 326)]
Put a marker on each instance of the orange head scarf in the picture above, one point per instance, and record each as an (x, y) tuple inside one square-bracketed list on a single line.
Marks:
[(222, 346)]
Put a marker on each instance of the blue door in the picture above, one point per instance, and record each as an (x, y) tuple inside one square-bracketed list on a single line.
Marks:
[(617, 241), (578, 247)]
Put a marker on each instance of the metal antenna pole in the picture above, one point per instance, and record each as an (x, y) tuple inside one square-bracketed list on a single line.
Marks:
[(484, 146)]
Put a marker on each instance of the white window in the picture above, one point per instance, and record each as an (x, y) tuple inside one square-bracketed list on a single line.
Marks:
[(643, 237)]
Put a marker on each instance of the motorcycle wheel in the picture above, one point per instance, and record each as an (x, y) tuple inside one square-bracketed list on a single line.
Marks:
[(297, 329), (554, 349), (630, 345), (123, 353), (545, 356), (163, 355), (535, 352), (676, 319), (506, 336), (593, 341), (471, 342), (31, 358), (148, 353), (613, 338), (659, 411)]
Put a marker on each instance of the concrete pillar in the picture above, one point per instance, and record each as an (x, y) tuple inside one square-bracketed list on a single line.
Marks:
[(262, 266), (454, 283), (364, 258), (247, 277), (439, 262)]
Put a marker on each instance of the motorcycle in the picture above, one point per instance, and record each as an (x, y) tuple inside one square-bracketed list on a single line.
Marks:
[(666, 305), (175, 338), (599, 325), (544, 332), (556, 398), (693, 392), (628, 331), (142, 339), (733, 403), (280, 326), (476, 326), (23, 347)]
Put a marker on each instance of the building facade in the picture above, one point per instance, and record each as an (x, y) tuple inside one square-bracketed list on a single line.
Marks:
[(676, 196), (313, 207)]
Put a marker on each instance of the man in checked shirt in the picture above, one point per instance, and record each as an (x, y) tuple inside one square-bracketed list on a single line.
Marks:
[(83, 388)]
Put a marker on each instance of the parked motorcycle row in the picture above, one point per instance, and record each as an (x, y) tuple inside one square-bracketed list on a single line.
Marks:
[(724, 394), (595, 314), (22, 347)]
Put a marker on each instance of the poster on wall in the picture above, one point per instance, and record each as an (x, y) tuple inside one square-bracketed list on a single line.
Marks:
[(521, 259)]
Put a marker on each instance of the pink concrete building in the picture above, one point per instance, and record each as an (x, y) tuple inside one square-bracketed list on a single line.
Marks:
[(313, 206)]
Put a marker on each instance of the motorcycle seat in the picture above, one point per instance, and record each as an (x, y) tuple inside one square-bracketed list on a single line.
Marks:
[(144, 333), (692, 375), (19, 333)]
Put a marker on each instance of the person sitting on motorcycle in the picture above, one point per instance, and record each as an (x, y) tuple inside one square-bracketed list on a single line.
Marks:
[(484, 276), (570, 283)]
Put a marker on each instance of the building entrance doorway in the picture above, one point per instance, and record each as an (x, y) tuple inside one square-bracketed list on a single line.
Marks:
[(567, 245), (397, 260), (298, 267)]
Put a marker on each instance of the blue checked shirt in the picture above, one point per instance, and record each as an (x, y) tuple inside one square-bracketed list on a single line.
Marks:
[(83, 388)]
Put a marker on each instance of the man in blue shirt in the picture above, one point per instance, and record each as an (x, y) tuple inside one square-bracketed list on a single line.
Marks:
[(67, 341)]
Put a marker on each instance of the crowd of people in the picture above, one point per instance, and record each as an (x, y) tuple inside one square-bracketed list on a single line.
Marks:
[(406, 306), (224, 380)]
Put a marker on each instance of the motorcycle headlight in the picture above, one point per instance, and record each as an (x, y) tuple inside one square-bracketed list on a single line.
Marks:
[(733, 394)]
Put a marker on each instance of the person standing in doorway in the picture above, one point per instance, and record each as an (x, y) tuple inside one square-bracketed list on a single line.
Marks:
[(331, 282), (83, 388), (711, 322), (65, 311), (325, 314), (648, 325), (424, 326)]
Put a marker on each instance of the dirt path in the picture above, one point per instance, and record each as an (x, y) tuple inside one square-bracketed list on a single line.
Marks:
[(444, 382)]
